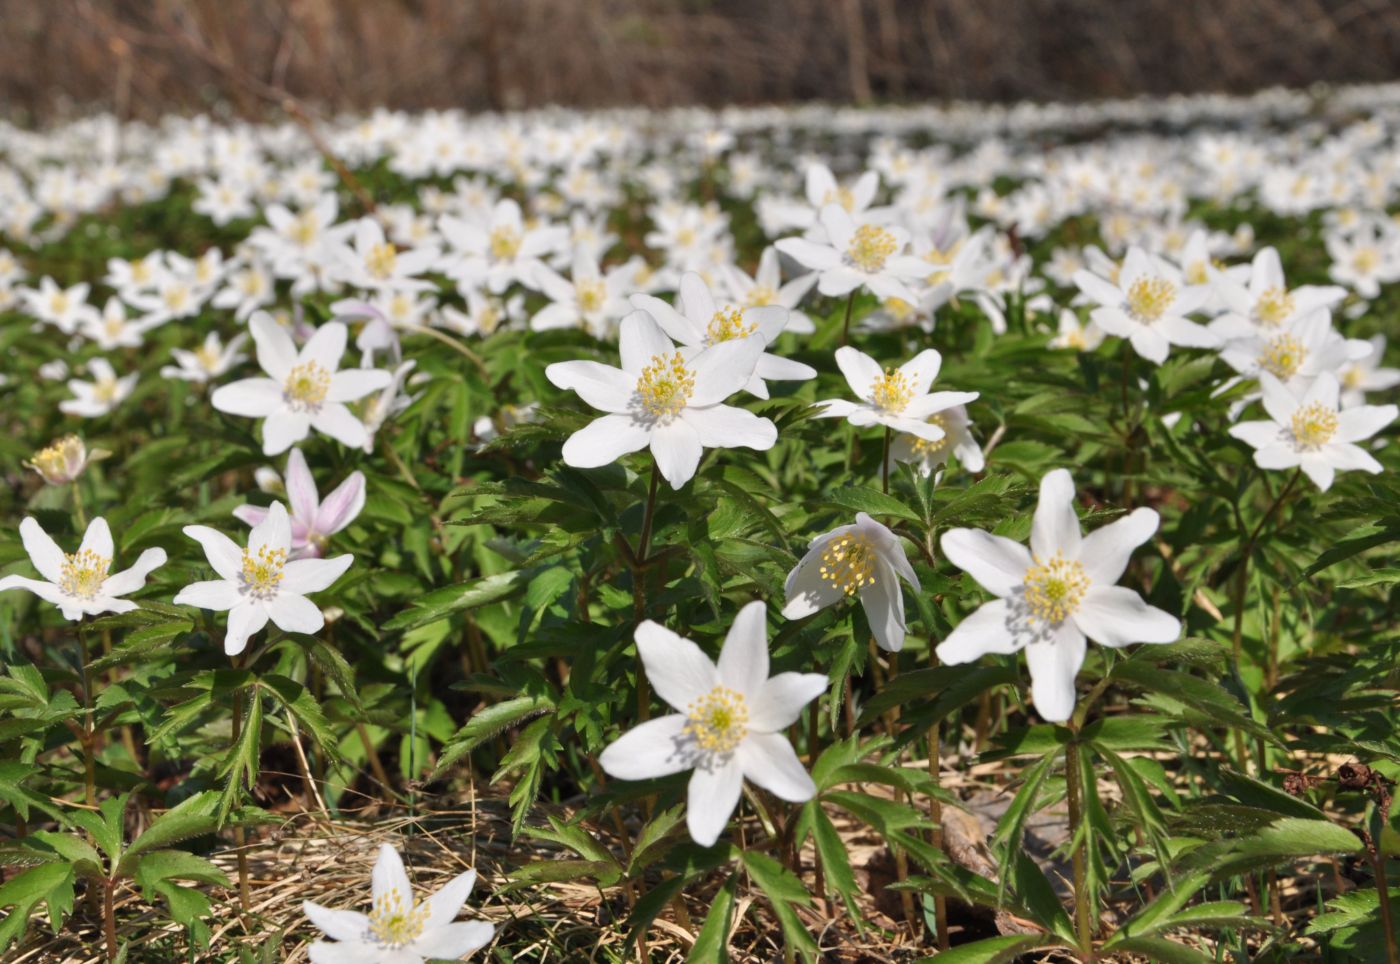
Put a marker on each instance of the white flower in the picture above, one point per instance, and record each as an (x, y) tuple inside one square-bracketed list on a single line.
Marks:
[(1364, 374), (313, 520), (660, 398), (1073, 334), (589, 299), (1050, 597), (728, 725), (1148, 305), (398, 929), (304, 390), (65, 308), (698, 323), (1265, 304), (898, 398), (209, 360), (64, 460), (957, 440), (856, 255), (498, 250), (864, 559), (78, 584), (766, 288), (1310, 432), (1295, 352), (372, 262), (258, 583), (98, 397)]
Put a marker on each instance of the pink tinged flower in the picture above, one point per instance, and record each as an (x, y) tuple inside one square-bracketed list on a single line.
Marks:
[(728, 726), (258, 583), (898, 398), (865, 560), (303, 390), (80, 584), (663, 400), (698, 322), (1054, 594), (313, 521), (1311, 432), (399, 929)]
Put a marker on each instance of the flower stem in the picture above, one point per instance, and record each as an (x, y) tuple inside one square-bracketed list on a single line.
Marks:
[(89, 735), (639, 584), (452, 343), (1083, 922), (935, 808), (78, 508), (109, 918), (885, 464), (846, 325), (239, 838)]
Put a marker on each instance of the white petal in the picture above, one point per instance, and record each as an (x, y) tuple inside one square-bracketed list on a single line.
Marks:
[(770, 761), (1055, 527), (656, 748), (1116, 616), (224, 555), (998, 564), (724, 426), (1054, 663), (302, 576), (452, 941), (922, 370), (721, 370), (884, 609), (295, 614), (250, 397), (1355, 424), (781, 699), (98, 539), (601, 386), (743, 660), (337, 421), (276, 353), (283, 429), (325, 346), (859, 368), (244, 620), (356, 383), (47, 557), (679, 670), (130, 580), (389, 879), (605, 440), (301, 487), (991, 629), (215, 594), (639, 340), (273, 533), (713, 795), (444, 905), (343, 925), (677, 450), (1105, 551)]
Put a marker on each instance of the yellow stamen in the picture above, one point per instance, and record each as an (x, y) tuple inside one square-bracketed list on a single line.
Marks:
[(718, 721), (307, 385), (591, 293), (892, 391), (1149, 298), (1283, 356), (83, 574), (1273, 306), (665, 386), (870, 248), (1314, 425), (728, 324), (504, 243), (1055, 589), (262, 571), (381, 260), (848, 564), (392, 924)]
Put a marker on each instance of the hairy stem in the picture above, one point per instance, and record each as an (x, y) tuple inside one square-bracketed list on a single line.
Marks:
[(935, 808), (846, 325), (239, 838), (1083, 921)]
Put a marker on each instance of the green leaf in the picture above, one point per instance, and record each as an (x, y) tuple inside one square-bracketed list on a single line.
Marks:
[(992, 950), (304, 708), (49, 884), (712, 943), (831, 849), (441, 603), (783, 890), (1011, 828), (486, 723), (872, 502), (1200, 695), (193, 817), (1163, 950)]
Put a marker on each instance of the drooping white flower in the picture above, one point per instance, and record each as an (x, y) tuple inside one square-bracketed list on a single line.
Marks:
[(302, 390), (398, 929), (866, 560), (697, 323), (898, 398), (1148, 305), (1054, 594), (663, 400), (258, 583), (64, 460), (728, 723), (79, 584), (1311, 432)]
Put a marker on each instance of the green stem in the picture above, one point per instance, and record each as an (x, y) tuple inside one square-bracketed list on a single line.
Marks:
[(89, 728), (639, 584), (935, 808), (846, 325), (885, 464), (78, 508), (240, 840), (452, 343), (1083, 922)]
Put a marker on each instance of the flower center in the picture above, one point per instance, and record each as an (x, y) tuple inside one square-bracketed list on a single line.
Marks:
[(381, 260), (665, 386), (262, 572), (306, 386), (760, 295), (1197, 273), (140, 272), (899, 309), (718, 721), (1149, 298), (83, 574), (1283, 356), (208, 358), (591, 293), (1365, 260), (848, 564), (305, 229), (841, 196), (505, 243), (1273, 306), (392, 924), (892, 391), (105, 389), (870, 248), (923, 447), (61, 461), (1353, 377), (728, 324), (1054, 589), (176, 297), (1314, 425), (58, 304)]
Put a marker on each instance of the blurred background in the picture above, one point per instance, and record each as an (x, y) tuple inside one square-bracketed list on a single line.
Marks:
[(145, 57)]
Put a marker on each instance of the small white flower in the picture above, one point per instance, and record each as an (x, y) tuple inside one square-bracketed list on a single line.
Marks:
[(398, 929), (864, 559), (1148, 305), (897, 398), (957, 440), (855, 255), (1311, 432), (79, 584), (303, 389), (209, 360), (1365, 374), (1050, 597), (98, 397), (258, 583), (728, 726), (1073, 334), (663, 400)]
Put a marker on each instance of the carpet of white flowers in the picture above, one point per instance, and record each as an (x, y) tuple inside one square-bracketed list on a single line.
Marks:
[(788, 534)]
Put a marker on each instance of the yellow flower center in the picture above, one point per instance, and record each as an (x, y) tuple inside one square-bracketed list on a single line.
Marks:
[(1314, 425), (760, 295), (105, 389), (488, 319), (841, 196), (394, 925), (381, 260), (665, 386), (899, 309), (307, 385), (504, 243), (1197, 272), (83, 574), (870, 248), (591, 293), (848, 564), (61, 461), (251, 283), (1353, 376), (262, 571), (922, 447), (176, 297), (728, 324), (1055, 589), (305, 229), (892, 391), (1283, 356), (58, 304), (140, 272), (1149, 298), (208, 357), (1365, 260), (718, 721), (1273, 306)]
